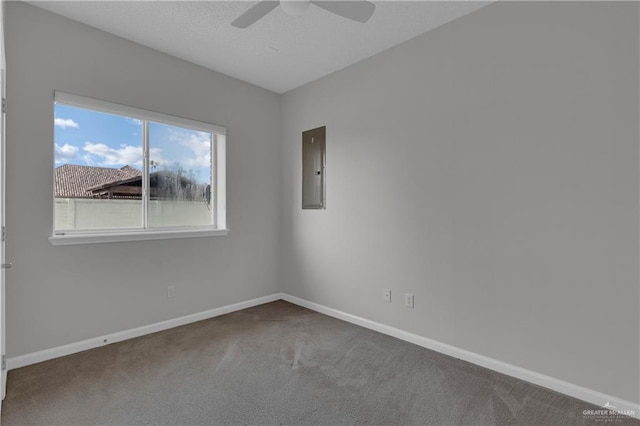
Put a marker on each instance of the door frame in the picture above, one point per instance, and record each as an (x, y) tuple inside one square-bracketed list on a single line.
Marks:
[(3, 127)]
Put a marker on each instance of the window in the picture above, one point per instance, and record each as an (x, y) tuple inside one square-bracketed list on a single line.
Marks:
[(122, 173)]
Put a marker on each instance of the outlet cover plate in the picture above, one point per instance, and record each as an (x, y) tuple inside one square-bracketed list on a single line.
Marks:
[(408, 300)]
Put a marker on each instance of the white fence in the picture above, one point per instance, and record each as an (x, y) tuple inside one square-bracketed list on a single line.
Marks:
[(86, 213)]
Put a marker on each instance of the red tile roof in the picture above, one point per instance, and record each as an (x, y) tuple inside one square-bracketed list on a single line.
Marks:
[(73, 181)]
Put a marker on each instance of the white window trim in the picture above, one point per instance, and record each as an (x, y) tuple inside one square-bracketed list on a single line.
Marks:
[(143, 114), (144, 235), (218, 159)]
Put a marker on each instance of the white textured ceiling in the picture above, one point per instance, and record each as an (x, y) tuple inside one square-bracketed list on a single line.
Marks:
[(279, 52)]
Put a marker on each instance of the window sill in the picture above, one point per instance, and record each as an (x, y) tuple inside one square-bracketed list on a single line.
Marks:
[(73, 239)]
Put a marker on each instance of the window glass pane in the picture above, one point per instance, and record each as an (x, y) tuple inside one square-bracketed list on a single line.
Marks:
[(179, 176), (98, 170)]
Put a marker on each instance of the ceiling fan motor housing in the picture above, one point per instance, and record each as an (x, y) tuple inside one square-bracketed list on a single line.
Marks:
[(294, 7)]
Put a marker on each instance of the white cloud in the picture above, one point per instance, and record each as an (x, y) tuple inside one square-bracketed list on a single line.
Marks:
[(103, 155), (66, 153), (65, 122), (134, 121), (155, 155), (199, 144)]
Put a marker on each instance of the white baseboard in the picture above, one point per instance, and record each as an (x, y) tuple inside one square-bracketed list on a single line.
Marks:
[(47, 354), (570, 389)]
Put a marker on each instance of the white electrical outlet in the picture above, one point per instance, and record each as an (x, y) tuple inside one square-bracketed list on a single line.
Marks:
[(386, 295), (408, 300), (171, 291)]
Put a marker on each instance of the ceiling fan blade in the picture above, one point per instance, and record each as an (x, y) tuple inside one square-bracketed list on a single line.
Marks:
[(359, 11), (256, 12)]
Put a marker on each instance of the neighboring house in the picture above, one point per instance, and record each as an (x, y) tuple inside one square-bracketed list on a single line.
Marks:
[(76, 181)]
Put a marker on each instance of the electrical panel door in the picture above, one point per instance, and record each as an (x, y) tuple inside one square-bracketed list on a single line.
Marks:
[(313, 168)]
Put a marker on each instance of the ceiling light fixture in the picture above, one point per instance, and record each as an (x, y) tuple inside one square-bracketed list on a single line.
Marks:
[(294, 7), (356, 10)]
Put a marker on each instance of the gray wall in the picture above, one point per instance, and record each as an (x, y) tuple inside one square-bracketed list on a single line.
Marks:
[(59, 295), (490, 167)]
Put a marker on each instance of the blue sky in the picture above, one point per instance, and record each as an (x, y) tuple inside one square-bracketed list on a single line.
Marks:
[(93, 138)]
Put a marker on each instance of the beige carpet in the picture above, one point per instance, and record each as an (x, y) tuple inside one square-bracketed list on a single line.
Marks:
[(275, 364)]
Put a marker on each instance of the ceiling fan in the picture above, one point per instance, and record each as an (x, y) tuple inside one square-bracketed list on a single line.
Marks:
[(359, 11)]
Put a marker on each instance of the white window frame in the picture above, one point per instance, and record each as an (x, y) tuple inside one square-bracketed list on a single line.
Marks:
[(218, 160)]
